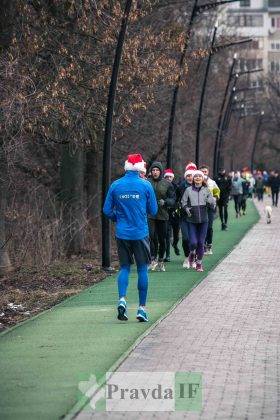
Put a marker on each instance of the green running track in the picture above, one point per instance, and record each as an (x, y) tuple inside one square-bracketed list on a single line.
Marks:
[(43, 359)]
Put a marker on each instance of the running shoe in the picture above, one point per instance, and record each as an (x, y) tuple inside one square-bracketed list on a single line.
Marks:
[(160, 266), (206, 250), (186, 263), (153, 265), (142, 315), (122, 310), (199, 267), (167, 259), (192, 261), (210, 250)]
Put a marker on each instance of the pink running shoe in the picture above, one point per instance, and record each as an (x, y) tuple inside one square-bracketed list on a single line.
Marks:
[(199, 267)]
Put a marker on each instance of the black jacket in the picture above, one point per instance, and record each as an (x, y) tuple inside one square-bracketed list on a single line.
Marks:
[(274, 183), (224, 183), (164, 191)]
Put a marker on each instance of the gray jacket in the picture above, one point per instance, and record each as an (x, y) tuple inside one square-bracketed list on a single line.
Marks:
[(236, 186), (195, 203)]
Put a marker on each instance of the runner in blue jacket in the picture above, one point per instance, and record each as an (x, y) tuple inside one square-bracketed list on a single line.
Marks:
[(129, 201)]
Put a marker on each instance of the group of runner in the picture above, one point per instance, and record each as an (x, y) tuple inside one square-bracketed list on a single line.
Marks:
[(269, 183), (150, 210)]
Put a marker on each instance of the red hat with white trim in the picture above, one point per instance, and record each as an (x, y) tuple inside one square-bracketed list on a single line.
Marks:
[(135, 163), (168, 172), (190, 168)]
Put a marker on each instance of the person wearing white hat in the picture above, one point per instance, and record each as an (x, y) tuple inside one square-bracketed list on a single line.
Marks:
[(174, 219), (188, 178), (195, 201)]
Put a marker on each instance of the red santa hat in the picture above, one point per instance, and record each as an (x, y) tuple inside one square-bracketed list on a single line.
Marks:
[(190, 168), (135, 163), (168, 172)]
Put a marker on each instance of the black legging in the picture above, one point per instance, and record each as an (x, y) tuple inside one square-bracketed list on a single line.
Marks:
[(274, 195), (158, 235), (209, 235), (244, 202), (174, 226), (237, 202), (260, 194), (223, 212), (185, 238)]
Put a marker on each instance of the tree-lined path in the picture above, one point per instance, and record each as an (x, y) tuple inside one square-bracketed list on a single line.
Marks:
[(46, 357), (227, 329)]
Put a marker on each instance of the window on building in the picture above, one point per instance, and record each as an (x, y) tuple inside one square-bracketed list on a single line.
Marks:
[(245, 3), (273, 3), (245, 20), (275, 22), (275, 66), (256, 83), (247, 64)]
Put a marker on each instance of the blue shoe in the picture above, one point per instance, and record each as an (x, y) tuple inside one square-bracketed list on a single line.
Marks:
[(122, 311), (142, 315)]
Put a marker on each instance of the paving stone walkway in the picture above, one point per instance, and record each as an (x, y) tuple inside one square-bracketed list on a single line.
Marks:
[(227, 328)]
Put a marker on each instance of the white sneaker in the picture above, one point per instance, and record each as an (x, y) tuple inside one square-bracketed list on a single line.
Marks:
[(153, 265), (186, 263), (161, 266)]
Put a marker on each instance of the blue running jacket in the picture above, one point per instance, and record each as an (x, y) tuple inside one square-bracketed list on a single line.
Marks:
[(128, 202)]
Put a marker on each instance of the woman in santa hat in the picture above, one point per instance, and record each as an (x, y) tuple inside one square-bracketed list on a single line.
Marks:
[(195, 201), (188, 178)]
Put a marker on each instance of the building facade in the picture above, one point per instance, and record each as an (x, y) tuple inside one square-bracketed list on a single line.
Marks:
[(260, 20)]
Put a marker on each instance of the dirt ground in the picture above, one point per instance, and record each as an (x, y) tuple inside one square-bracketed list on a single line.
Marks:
[(31, 290)]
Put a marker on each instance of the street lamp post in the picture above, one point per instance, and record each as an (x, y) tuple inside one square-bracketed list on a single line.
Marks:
[(197, 144), (106, 175), (256, 139), (176, 89), (214, 49), (215, 168), (196, 10), (225, 121)]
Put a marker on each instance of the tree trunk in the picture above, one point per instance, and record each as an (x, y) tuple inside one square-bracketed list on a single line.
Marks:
[(72, 194), (7, 12), (93, 185), (5, 264)]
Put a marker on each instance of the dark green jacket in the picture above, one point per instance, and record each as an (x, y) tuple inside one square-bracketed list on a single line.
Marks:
[(164, 190)]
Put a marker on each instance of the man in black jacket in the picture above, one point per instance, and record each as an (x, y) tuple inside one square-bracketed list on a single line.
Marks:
[(224, 183), (158, 224), (173, 227), (274, 183)]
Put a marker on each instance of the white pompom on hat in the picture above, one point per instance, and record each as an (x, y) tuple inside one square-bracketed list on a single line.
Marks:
[(197, 172), (190, 168), (135, 163)]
